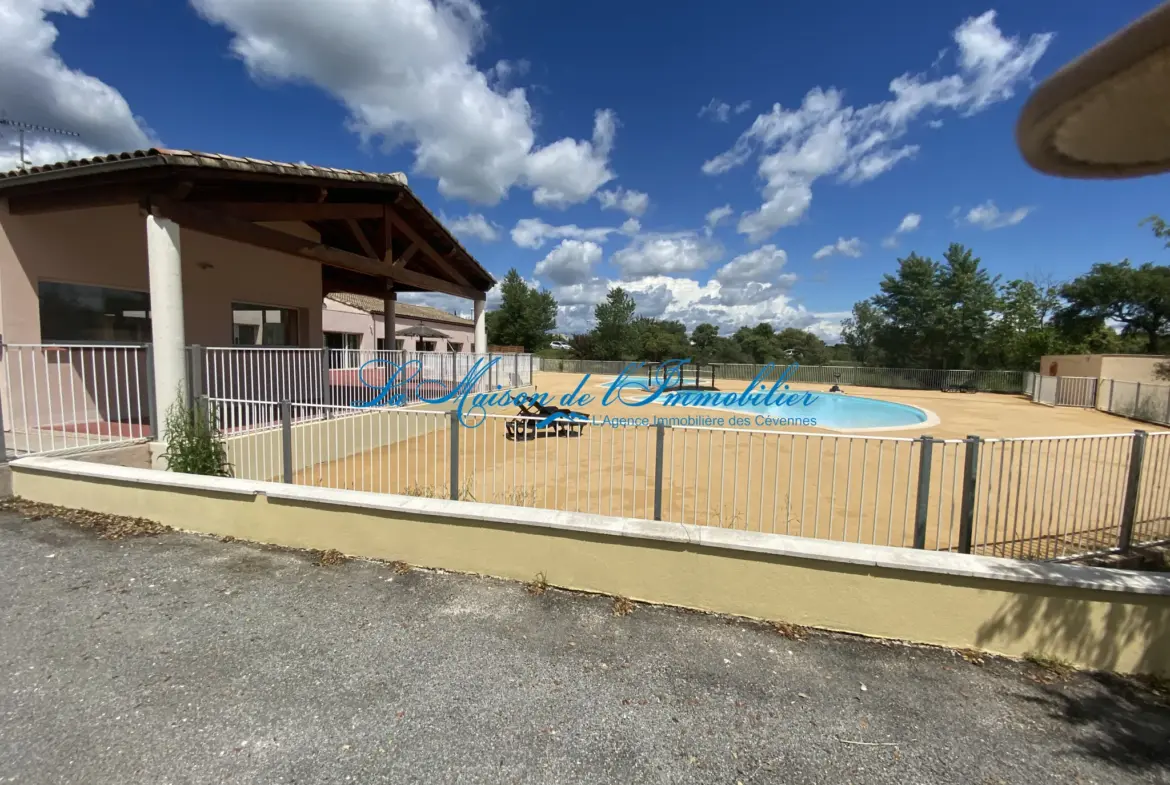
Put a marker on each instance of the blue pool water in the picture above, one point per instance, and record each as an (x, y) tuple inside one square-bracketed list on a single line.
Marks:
[(837, 411), (843, 412)]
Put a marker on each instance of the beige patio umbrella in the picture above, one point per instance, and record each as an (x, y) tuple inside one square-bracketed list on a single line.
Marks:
[(1107, 113)]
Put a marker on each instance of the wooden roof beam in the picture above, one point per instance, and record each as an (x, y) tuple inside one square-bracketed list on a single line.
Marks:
[(227, 227)]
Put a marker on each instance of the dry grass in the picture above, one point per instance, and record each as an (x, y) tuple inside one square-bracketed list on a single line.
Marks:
[(400, 567), (108, 527), (538, 585), (793, 632), (623, 606), (1049, 669), (972, 656), (330, 558)]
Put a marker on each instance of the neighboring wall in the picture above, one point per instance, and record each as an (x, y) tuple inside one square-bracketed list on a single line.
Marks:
[(1122, 367), (1131, 368), (341, 318), (1071, 365)]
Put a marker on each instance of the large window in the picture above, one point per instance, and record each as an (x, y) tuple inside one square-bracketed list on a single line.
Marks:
[(344, 349), (263, 325), (398, 344), (93, 314)]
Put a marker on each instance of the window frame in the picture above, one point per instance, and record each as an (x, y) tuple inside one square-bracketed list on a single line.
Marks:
[(238, 305), (86, 342)]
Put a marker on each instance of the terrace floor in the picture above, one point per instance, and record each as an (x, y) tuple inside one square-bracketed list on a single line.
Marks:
[(183, 659)]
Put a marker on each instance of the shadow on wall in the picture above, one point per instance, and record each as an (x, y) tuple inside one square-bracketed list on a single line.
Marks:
[(1130, 635)]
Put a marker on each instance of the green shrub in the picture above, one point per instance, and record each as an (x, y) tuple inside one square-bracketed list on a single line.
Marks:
[(195, 442)]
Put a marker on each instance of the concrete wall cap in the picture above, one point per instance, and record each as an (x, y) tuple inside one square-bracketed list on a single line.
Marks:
[(777, 545)]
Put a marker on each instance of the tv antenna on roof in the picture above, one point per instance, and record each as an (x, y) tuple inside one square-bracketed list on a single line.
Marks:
[(23, 128)]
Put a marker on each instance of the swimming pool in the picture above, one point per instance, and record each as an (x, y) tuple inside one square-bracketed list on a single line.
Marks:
[(835, 411), (842, 412)]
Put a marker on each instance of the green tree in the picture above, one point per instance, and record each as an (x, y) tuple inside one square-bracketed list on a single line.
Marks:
[(658, 340), (704, 339), (860, 333), (800, 346), (525, 317), (1137, 297), (613, 336)]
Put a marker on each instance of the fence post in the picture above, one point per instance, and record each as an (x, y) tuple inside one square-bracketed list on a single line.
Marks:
[(970, 479), (151, 402), (659, 448), (1132, 488), (286, 440), (326, 387), (922, 505), (453, 426), (195, 373), (516, 375)]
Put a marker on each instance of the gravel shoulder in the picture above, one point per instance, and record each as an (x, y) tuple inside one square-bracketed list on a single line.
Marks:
[(182, 659)]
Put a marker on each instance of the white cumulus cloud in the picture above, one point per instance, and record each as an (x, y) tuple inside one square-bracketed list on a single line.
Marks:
[(38, 87), (665, 253), (405, 71), (850, 247), (716, 217), (632, 203), (569, 263), (534, 233), (909, 224), (988, 216), (475, 225), (825, 136)]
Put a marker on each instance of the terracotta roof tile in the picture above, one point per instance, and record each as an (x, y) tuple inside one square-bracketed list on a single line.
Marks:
[(402, 311)]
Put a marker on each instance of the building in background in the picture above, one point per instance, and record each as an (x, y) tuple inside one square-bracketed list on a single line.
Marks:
[(1121, 367), (357, 322)]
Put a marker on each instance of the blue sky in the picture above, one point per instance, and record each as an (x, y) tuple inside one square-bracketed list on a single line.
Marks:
[(588, 144)]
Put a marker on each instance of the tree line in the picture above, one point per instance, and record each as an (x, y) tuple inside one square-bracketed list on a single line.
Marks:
[(949, 313)]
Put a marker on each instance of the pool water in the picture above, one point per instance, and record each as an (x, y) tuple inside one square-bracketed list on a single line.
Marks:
[(843, 412), (836, 411)]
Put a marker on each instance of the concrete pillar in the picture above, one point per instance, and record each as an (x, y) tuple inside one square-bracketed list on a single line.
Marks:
[(389, 318), (166, 316), (480, 327)]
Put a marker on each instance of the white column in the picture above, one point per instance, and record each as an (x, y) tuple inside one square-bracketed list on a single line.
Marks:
[(480, 327), (389, 319), (166, 316)]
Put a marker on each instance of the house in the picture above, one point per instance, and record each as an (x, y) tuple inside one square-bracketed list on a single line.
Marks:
[(102, 256), (356, 322)]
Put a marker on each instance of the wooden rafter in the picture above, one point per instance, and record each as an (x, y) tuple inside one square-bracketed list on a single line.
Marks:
[(359, 234), (206, 221), (430, 252), (294, 211)]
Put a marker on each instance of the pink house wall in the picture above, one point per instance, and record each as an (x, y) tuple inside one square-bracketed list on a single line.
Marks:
[(341, 318), (107, 247)]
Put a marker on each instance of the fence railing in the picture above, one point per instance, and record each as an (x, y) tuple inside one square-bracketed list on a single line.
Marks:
[(60, 397), (1034, 498), (1145, 401), (856, 376)]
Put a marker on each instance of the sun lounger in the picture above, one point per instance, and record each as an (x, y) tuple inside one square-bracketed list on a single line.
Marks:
[(525, 424)]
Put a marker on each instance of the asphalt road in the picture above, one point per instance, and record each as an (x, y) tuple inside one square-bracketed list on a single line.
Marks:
[(180, 659)]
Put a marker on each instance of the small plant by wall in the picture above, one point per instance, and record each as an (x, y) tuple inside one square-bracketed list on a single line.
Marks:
[(195, 443)]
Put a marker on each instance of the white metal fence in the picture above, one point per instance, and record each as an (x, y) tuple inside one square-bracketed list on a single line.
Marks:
[(1144, 401), (1038, 498), (61, 397), (58, 397)]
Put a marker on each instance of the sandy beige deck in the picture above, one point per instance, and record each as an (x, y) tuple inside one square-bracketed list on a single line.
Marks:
[(1045, 498)]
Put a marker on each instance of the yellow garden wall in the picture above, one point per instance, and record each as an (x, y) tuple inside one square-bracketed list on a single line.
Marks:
[(1095, 618)]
